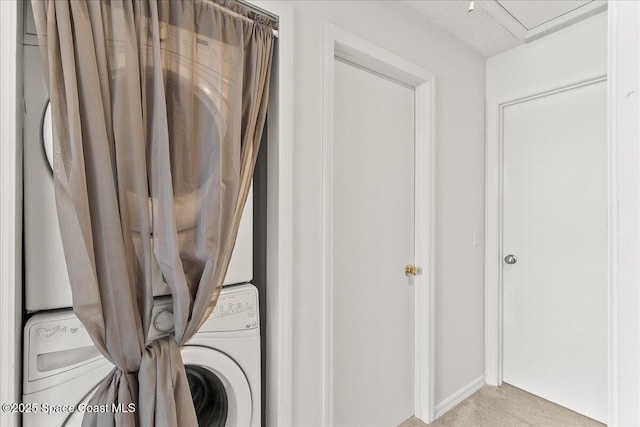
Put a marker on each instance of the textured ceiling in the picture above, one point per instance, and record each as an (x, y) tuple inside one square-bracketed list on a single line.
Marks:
[(478, 30)]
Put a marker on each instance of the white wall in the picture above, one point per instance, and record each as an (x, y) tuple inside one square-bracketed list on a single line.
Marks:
[(460, 96), (574, 49)]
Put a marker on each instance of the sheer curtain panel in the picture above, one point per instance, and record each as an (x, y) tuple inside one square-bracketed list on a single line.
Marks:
[(158, 109)]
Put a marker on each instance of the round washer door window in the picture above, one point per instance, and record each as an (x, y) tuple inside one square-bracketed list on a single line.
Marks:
[(209, 396), (219, 388)]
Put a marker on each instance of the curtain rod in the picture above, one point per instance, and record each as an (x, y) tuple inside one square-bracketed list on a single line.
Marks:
[(260, 11), (254, 9)]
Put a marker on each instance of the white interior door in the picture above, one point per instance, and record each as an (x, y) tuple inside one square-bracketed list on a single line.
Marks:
[(555, 223), (373, 240)]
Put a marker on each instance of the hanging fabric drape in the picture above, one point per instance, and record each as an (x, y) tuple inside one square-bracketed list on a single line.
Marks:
[(158, 109)]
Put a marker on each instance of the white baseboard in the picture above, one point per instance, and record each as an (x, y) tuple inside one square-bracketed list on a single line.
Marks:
[(459, 396)]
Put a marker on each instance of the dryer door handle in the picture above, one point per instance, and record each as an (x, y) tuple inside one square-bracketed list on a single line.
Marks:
[(60, 359)]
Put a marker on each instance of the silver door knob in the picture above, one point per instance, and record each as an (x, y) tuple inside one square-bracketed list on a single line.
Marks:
[(511, 259)]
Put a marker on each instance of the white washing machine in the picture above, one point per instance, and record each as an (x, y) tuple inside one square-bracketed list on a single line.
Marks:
[(46, 278), (62, 367)]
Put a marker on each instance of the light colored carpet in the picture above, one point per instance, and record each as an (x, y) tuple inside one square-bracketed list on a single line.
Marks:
[(506, 406)]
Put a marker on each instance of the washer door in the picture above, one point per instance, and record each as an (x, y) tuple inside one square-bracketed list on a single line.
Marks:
[(220, 390)]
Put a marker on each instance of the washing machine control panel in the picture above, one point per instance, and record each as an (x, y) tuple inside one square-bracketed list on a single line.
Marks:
[(236, 310)]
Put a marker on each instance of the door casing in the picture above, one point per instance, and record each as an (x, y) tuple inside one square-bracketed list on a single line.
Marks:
[(280, 162), (346, 46), (11, 202)]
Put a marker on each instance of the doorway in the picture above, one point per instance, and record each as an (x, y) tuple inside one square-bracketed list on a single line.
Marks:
[(373, 240), (555, 223), (378, 208), (547, 278)]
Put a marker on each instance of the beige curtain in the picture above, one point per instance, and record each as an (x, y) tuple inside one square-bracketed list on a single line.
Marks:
[(158, 108)]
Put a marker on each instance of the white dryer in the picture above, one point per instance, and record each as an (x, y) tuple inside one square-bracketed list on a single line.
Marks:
[(46, 278), (222, 360)]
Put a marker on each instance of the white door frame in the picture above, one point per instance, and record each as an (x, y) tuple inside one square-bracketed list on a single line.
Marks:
[(494, 207), (279, 351), (624, 205), (341, 44), (10, 207)]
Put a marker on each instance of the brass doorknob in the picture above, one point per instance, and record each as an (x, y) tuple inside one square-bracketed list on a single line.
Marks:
[(412, 270)]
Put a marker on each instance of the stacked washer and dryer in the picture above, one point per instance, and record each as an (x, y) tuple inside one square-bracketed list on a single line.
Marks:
[(61, 364)]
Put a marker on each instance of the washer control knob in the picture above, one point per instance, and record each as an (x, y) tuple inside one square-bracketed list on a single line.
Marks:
[(163, 322)]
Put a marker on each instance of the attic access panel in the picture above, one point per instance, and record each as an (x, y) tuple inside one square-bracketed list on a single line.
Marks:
[(531, 19)]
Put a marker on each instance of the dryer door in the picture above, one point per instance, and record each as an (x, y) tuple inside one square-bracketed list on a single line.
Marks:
[(220, 390)]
